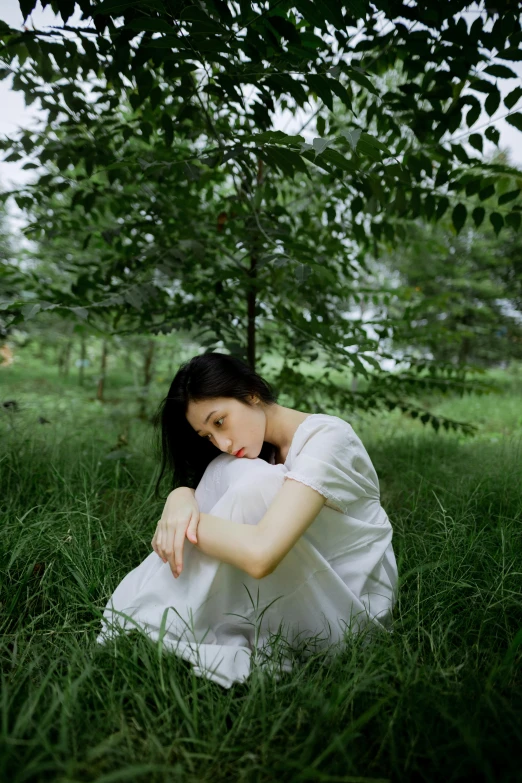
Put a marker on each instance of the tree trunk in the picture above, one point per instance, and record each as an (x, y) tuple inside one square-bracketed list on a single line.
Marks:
[(147, 377), (464, 350), (103, 368), (41, 351), (64, 353), (465, 346), (83, 354), (67, 357), (252, 292), (251, 309)]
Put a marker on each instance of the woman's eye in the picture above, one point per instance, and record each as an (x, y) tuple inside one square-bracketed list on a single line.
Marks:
[(216, 423)]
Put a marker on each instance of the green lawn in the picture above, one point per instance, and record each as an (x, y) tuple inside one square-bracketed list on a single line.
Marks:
[(440, 699)]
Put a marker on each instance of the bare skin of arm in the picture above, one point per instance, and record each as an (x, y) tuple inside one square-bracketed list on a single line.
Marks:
[(258, 549)]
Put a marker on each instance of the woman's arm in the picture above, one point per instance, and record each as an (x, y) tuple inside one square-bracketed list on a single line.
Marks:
[(258, 549)]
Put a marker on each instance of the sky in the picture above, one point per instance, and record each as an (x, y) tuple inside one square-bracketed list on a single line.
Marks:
[(15, 114)]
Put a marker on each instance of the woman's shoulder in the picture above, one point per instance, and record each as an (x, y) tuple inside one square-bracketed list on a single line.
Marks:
[(328, 452), (317, 421), (323, 431)]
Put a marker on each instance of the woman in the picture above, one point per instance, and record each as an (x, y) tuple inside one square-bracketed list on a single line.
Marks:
[(273, 535)]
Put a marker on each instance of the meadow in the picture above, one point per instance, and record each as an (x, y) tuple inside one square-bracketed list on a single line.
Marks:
[(439, 699)]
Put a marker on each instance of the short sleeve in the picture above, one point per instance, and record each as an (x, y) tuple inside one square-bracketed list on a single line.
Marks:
[(329, 456)]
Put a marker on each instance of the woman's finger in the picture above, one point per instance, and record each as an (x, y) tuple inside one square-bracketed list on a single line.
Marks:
[(179, 538), (192, 528), (162, 544)]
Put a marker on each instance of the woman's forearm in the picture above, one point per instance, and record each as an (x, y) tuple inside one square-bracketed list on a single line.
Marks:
[(231, 542)]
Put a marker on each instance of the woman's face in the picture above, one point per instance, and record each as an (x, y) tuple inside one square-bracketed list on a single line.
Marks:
[(229, 424)]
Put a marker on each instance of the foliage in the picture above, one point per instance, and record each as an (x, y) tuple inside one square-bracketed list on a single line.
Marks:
[(465, 300), (184, 208), (11, 278)]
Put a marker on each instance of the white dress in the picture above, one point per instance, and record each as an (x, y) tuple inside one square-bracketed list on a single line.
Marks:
[(340, 576)]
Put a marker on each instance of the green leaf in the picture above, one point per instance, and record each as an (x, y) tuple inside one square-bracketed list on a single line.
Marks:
[(497, 221), (320, 145), (201, 22), (515, 120), (168, 128), (476, 141), (358, 8), (27, 7), (356, 76), (302, 273), (151, 25), (473, 114), (334, 71), (371, 141), (335, 159), (29, 310), (81, 312), (502, 71), (332, 11), (505, 197), (356, 205), (492, 102), (311, 13), (481, 85), (165, 42), (473, 185), (282, 83), (478, 215), (397, 171), (458, 216), (371, 360), (511, 53), (442, 206), (513, 97), (111, 7), (272, 136), (352, 136), (486, 192), (319, 85), (132, 296), (492, 134), (286, 160), (513, 219), (341, 92), (358, 365)]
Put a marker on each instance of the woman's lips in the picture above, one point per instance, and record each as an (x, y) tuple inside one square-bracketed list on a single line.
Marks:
[(239, 453)]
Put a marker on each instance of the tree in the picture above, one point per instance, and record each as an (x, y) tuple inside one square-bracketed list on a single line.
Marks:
[(459, 309), (11, 278), (376, 164)]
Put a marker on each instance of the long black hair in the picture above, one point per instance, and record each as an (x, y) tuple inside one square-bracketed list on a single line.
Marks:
[(180, 448)]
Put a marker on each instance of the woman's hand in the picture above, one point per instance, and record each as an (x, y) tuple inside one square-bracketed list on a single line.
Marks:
[(180, 517)]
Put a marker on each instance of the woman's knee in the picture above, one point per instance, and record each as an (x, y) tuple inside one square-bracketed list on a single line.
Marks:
[(259, 487), (236, 470), (227, 472)]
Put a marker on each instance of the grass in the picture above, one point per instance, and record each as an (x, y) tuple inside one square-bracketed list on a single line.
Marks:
[(440, 699)]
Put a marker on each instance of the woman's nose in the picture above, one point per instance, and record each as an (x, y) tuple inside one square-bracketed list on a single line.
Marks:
[(226, 446)]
